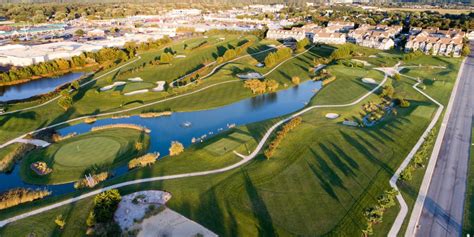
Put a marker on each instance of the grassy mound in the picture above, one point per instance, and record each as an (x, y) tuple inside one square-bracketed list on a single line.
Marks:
[(91, 152)]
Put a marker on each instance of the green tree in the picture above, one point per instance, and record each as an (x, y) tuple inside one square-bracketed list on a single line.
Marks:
[(465, 50), (105, 204), (65, 100), (79, 32)]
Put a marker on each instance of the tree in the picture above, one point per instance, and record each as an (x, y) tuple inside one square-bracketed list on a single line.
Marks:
[(80, 32), (465, 50), (388, 91), (176, 148), (271, 85), (105, 204), (90, 221), (65, 100), (296, 80), (60, 221), (397, 77), (75, 85), (300, 45)]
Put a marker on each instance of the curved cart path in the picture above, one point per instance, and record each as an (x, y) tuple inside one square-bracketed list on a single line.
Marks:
[(244, 160)]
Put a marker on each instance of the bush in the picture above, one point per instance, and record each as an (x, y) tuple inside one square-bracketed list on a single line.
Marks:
[(17, 196), (176, 148), (296, 80), (143, 161), (105, 205)]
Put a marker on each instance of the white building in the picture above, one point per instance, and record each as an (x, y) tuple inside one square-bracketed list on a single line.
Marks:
[(292, 34), (183, 12), (324, 37), (267, 8), (437, 42), (378, 37), (22, 55)]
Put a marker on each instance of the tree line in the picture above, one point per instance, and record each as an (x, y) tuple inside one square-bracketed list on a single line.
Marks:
[(103, 57), (275, 57), (292, 124)]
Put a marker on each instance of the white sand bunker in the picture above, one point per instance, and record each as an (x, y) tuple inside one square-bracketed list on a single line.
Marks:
[(136, 92), (135, 79), (118, 83), (170, 223), (160, 86), (332, 115), (372, 56), (134, 206), (180, 56), (368, 80)]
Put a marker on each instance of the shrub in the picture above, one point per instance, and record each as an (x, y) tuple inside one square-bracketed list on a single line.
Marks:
[(176, 148), (105, 204), (143, 161), (296, 80), (17, 196), (60, 221), (293, 123)]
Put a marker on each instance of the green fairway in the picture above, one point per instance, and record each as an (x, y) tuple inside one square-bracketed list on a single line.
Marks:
[(227, 144), (319, 182), (91, 152)]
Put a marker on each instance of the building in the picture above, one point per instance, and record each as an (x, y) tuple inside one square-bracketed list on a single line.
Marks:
[(23, 55), (340, 26), (324, 37), (293, 34), (267, 8), (437, 42), (379, 37)]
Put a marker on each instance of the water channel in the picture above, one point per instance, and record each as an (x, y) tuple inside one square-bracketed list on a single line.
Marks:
[(184, 126)]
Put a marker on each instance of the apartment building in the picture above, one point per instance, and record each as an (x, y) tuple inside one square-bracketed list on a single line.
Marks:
[(437, 42)]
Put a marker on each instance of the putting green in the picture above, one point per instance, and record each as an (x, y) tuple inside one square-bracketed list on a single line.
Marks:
[(91, 151)]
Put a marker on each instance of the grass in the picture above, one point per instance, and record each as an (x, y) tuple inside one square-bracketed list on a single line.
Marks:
[(227, 144), (72, 158), (326, 171), (468, 219), (134, 86), (318, 183), (6, 151)]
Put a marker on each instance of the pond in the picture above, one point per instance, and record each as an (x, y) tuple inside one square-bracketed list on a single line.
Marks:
[(35, 87), (184, 126)]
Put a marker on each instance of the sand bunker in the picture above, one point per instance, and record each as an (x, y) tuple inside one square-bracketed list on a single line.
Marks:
[(368, 80), (136, 92), (133, 206), (118, 83), (135, 79), (160, 86), (332, 115), (170, 223)]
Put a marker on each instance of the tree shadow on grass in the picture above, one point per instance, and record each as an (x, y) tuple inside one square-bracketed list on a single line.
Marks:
[(365, 152), (257, 54), (210, 213), (260, 211), (30, 115), (336, 161), (325, 184), (344, 155)]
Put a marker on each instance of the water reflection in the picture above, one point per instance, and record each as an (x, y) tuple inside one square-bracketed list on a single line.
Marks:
[(35, 87)]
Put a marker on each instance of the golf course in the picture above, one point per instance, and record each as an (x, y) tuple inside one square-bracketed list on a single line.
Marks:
[(92, 152), (329, 171)]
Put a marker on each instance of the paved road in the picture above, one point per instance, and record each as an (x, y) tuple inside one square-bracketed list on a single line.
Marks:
[(443, 207), (244, 160)]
